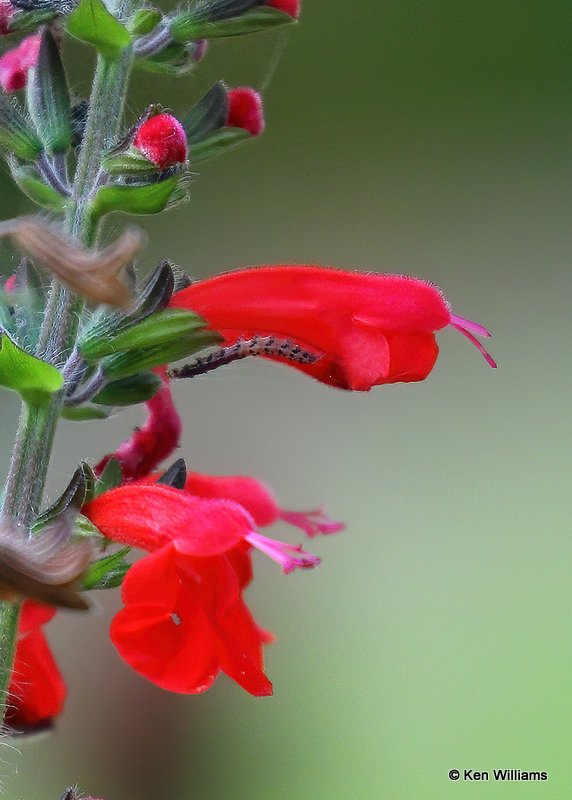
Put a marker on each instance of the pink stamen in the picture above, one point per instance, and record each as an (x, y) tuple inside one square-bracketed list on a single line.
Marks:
[(461, 325), (313, 522), (289, 556)]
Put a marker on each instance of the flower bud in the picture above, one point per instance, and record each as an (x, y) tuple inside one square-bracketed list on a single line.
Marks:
[(162, 140), (6, 13), (290, 7), (15, 63), (199, 49), (245, 110)]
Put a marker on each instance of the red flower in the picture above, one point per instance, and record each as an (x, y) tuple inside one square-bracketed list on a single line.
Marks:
[(7, 11), (184, 620), (162, 139), (15, 64), (290, 7), (151, 444), (366, 329), (37, 691), (259, 500), (245, 110)]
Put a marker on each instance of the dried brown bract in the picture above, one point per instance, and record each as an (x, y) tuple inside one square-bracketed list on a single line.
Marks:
[(45, 566), (93, 274)]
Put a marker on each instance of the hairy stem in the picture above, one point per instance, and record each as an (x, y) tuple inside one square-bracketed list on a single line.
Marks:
[(32, 449)]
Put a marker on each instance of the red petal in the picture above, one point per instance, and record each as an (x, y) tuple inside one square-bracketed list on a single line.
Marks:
[(253, 495), (34, 615), (37, 691), (241, 656), (151, 516)]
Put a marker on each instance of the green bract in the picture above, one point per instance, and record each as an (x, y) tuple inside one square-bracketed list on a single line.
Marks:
[(107, 572), (35, 380), (130, 162), (85, 412), (188, 26), (143, 21), (121, 365), (129, 391), (174, 59), (208, 115), (16, 134), (217, 143), (39, 192), (48, 97), (92, 23), (149, 198), (110, 478)]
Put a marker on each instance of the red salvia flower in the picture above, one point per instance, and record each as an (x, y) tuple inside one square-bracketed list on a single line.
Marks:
[(15, 64), (151, 444), (37, 690), (365, 329), (245, 110), (162, 139), (290, 7), (184, 618)]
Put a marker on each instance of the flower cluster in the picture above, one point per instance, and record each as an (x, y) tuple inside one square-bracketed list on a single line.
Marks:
[(184, 618)]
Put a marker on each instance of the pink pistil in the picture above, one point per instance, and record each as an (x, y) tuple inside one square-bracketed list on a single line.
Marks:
[(313, 522), (468, 328), (468, 324), (289, 556)]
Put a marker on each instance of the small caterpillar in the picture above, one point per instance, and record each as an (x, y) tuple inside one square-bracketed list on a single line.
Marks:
[(257, 346)]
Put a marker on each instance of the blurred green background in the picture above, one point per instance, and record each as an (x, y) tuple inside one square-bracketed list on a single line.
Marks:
[(428, 138)]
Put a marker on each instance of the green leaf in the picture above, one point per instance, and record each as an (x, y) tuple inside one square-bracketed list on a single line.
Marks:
[(208, 115), (48, 97), (30, 183), (85, 413), (129, 391), (188, 27), (217, 143), (150, 198), (92, 23), (17, 136), (143, 21), (110, 478), (107, 572), (157, 329), (121, 365), (35, 380)]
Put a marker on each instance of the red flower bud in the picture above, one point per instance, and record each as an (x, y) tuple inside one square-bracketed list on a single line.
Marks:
[(14, 64), (199, 49), (290, 7), (6, 13), (245, 110), (162, 140)]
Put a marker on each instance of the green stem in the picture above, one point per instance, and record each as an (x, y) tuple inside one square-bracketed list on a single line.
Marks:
[(33, 446), (103, 123)]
